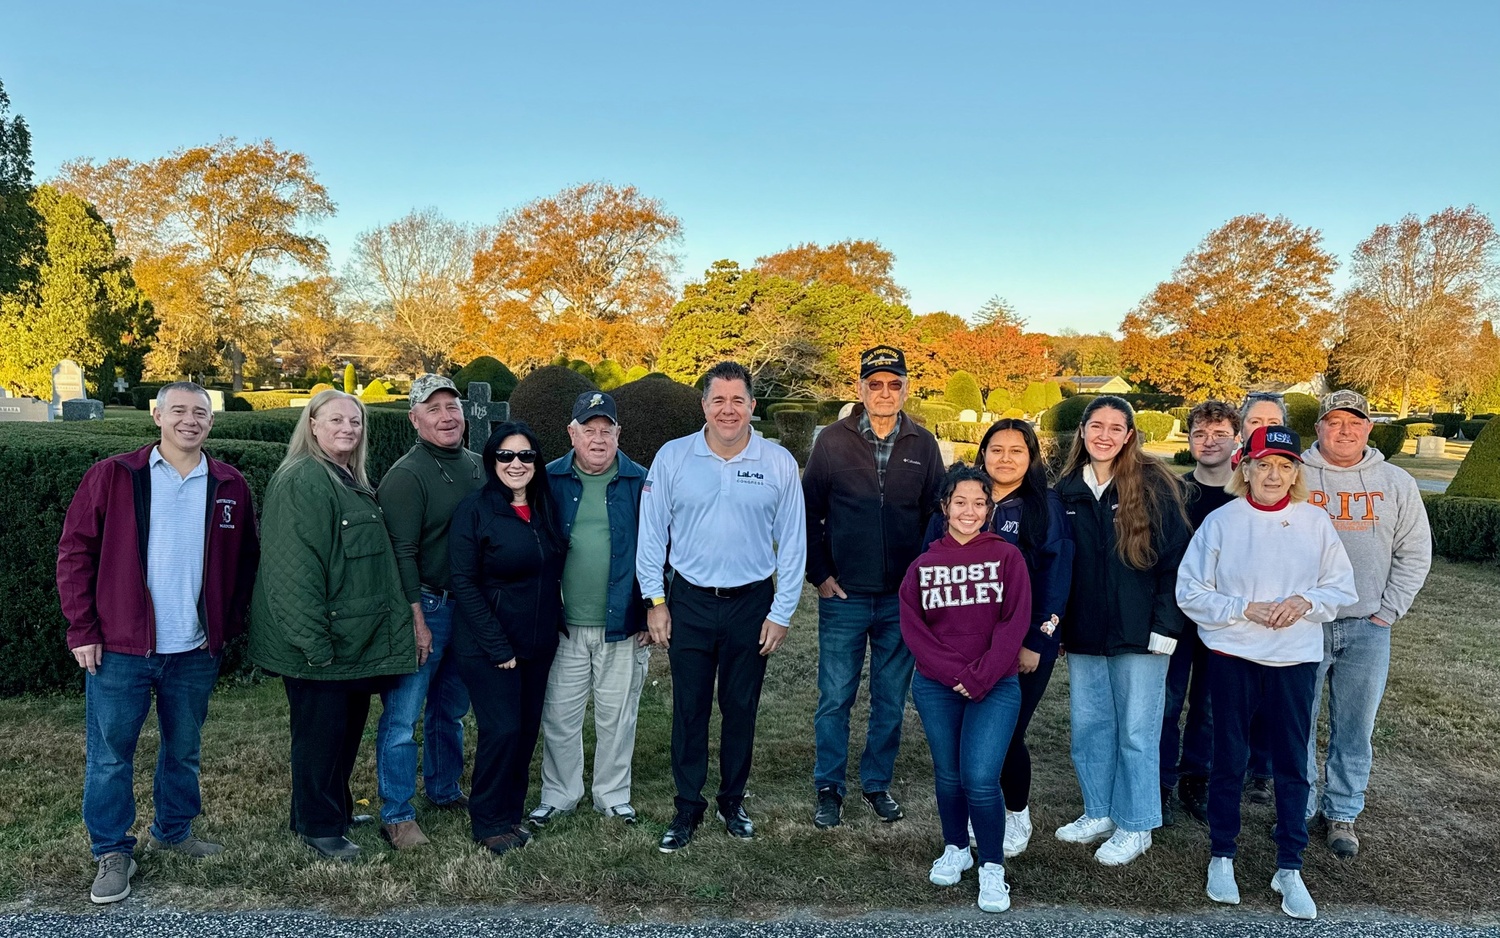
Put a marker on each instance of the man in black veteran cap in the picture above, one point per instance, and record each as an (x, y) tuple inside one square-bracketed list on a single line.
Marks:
[(869, 487)]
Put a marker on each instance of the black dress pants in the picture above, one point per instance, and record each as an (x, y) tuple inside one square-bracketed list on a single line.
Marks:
[(1015, 774), (508, 709), (328, 721), (715, 638)]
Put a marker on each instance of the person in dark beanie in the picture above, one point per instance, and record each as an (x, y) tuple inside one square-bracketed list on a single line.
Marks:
[(869, 487)]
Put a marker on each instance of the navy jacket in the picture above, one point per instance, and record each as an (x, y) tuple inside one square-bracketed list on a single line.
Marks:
[(1050, 565), (622, 498)]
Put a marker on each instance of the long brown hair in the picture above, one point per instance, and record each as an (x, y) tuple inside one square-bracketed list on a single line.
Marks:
[(1146, 488)]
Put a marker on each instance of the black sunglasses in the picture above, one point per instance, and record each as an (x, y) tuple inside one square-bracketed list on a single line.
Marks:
[(527, 456)]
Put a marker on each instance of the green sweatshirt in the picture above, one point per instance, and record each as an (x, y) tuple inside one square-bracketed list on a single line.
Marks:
[(418, 495)]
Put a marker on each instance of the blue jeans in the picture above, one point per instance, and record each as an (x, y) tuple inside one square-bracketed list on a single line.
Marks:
[(1187, 683), (437, 683), (1116, 710), (845, 626), (1356, 657), (968, 739), (116, 701)]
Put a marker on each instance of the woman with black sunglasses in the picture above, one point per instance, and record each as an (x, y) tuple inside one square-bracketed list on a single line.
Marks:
[(507, 555)]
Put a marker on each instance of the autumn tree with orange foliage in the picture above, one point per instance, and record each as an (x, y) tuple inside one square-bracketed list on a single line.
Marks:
[(855, 263), (216, 232), (1251, 304), (586, 273)]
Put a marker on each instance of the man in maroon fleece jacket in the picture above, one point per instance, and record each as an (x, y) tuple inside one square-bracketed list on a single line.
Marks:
[(154, 569)]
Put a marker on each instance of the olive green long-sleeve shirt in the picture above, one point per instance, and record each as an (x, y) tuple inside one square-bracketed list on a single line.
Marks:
[(418, 495)]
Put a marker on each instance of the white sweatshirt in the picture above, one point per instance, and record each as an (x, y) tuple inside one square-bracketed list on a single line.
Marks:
[(1243, 554)]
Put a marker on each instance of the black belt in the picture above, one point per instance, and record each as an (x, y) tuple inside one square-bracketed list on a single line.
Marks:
[(442, 595), (723, 592)]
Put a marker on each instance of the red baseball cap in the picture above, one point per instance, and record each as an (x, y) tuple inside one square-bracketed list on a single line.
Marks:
[(1272, 441)]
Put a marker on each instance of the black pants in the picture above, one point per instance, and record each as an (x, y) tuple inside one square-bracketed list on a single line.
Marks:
[(328, 720), (508, 709), (1015, 774), (715, 638), (1187, 751), (1278, 701)]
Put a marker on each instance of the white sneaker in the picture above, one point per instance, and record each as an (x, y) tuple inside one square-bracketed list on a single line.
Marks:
[(1221, 884), (1122, 847), (1296, 901), (1086, 830), (972, 839), (1017, 832), (949, 868), (994, 895)]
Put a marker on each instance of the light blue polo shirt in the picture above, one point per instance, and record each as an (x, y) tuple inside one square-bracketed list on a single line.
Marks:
[(729, 522), (174, 552)]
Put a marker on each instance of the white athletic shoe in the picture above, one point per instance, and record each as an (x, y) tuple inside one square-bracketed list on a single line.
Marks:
[(1017, 832), (1296, 901), (994, 895), (1122, 847), (1221, 884), (949, 868), (1086, 830)]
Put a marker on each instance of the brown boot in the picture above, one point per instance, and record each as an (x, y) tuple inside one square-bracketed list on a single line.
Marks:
[(403, 835)]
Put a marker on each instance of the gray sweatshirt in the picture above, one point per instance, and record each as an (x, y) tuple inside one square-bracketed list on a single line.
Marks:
[(1378, 512)]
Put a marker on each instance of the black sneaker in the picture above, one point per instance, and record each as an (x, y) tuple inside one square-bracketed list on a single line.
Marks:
[(679, 833), (888, 808), (1258, 791), (830, 809), (1168, 812), (736, 822), (1192, 791)]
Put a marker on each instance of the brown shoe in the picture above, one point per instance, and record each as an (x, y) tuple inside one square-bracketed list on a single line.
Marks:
[(461, 803), (1342, 839), (403, 835), (504, 843)]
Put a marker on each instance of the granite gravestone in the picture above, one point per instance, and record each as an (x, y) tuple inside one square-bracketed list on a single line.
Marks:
[(82, 410), (25, 410)]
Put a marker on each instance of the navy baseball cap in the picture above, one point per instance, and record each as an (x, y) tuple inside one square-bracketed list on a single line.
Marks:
[(591, 404)]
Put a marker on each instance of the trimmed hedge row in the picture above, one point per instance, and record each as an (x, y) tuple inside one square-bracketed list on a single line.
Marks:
[(1387, 438), (1464, 528), (1478, 475), (794, 430), (960, 431), (1472, 428)]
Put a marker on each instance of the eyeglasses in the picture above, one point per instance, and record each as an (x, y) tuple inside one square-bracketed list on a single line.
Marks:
[(895, 386), (1203, 436), (507, 456)]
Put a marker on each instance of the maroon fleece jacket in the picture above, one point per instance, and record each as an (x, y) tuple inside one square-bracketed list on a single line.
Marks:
[(965, 609)]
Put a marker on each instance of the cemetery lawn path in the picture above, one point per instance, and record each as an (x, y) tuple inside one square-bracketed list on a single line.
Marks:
[(1431, 832)]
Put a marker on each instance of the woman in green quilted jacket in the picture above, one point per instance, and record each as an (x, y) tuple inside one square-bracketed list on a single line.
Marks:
[(328, 613)]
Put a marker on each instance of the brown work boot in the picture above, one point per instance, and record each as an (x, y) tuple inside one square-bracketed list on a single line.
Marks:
[(1342, 839), (403, 835)]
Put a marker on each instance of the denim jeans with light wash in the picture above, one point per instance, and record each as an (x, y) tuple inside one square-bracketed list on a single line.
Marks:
[(1117, 703), (968, 739), (438, 685), (1187, 683), (845, 627), (1356, 657), (116, 701)]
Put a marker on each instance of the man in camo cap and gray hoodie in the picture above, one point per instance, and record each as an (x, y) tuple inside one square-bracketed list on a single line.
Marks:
[(1377, 510)]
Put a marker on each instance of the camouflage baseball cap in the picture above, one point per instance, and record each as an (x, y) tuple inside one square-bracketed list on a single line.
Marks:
[(1352, 401), (427, 385)]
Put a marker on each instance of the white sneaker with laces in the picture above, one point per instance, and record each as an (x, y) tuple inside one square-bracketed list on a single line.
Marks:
[(1017, 832), (1221, 884), (1122, 847), (949, 868), (1086, 830), (1296, 901), (994, 894)]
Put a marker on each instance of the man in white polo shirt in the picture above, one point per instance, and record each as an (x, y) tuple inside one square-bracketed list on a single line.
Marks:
[(729, 504)]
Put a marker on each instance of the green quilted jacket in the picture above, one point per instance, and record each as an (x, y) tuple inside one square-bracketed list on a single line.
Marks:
[(328, 603)]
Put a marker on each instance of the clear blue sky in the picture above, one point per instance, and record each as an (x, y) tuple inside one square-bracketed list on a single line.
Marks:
[(1065, 155)]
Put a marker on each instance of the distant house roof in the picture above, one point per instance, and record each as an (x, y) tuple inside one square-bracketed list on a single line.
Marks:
[(1100, 383)]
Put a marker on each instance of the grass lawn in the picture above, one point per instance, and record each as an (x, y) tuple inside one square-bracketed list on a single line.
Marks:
[(1431, 832)]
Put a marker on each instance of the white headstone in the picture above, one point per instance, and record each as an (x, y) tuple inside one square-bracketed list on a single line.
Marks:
[(1431, 446), (216, 400), (67, 382), (121, 385), (846, 410), (987, 417), (968, 416)]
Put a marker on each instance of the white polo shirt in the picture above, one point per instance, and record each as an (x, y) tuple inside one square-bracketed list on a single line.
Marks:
[(729, 522), (175, 543)]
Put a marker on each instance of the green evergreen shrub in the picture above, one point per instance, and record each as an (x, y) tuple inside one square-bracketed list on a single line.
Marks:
[(1040, 395), (374, 391), (1150, 400), (141, 395), (960, 431), (653, 410), (781, 406), (544, 399), (350, 382), (1180, 414), (1302, 414), (1184, 457), (1063, 417), (1067, 388), (963, 392), (794, 429), (1421, 428), (608, 374), (1463, 528), (997, 400), (1153, 426), (1388, 438), (938, 412), (1015, 413), (636, 373), (324, 375), (492, 371), (1478, 475), (319, 388), (966, 453), (583, 368), (1472, 428)]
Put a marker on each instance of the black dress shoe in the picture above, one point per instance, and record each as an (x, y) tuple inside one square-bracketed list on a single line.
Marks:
[(333, 848), (736, 822), (1192, 791), (886, 807), (830, 809), (504, 843), (1259, 791), (679, 833)]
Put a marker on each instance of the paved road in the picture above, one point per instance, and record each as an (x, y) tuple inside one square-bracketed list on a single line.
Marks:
[(118, 923)]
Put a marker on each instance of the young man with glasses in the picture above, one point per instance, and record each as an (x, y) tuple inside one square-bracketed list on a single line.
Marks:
[(870, 485)]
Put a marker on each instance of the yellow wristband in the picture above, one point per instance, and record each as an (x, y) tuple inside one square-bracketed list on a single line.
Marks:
[(657, 600)]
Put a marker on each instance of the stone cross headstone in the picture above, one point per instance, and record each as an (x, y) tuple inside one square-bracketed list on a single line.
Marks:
[(67, 382), (483, 413), (121, 385), (82, 410)]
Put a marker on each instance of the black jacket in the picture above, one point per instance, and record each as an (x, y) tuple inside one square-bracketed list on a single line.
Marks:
[(854, 533), (1114, 608), (507, 579)]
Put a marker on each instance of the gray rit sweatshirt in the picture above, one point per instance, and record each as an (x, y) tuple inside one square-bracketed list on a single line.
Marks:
[(1378, 512)]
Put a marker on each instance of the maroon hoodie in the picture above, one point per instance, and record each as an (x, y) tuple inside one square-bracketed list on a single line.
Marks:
[(101, 556), (965, 609)]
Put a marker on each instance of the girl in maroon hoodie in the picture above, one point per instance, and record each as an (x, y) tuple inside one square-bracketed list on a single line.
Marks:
[(965, 609)]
